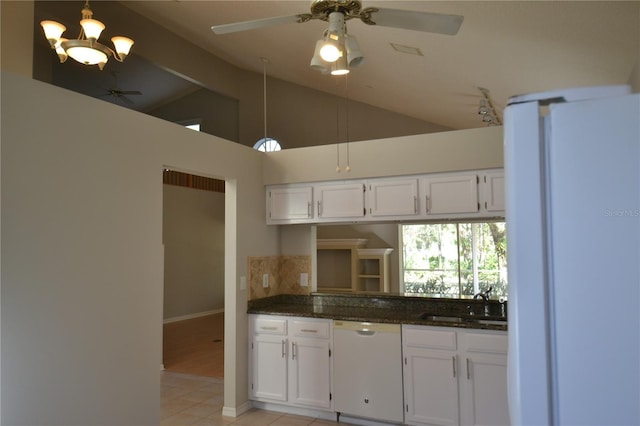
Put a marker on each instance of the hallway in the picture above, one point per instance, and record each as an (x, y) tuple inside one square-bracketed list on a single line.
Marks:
[(195, 346)]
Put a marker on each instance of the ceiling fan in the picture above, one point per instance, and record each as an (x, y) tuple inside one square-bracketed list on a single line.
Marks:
[(337, 12), (119, 94)]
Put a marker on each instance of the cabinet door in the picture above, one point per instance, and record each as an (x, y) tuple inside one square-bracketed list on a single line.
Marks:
[(484, 381), (393, 197), (452, 194), (269, 367), (493, 191), (340, 201), (289, 204), (431, 387), (310, 373), (485, 390)]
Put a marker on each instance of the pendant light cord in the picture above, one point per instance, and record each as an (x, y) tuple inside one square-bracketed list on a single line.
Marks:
[(346, 93), (264, 95), (337, 128)]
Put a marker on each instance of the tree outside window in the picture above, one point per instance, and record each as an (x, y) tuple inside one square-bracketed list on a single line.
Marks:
[(455, 260)]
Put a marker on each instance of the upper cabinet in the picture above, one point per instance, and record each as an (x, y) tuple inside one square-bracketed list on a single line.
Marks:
[(456, 195), (493, 194), (289, 204), (389, 198), (451, 194), (340, 201)]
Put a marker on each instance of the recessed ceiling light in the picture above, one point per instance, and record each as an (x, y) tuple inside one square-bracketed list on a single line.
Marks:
[(406, 49)]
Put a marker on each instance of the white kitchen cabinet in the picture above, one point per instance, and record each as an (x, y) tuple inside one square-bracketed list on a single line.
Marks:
[(289, 204), (483, 390), (340, 201), (454, 376), (492, 189), (289, 361), (393, 198), (430, 376), (451, 194), (454, 195)]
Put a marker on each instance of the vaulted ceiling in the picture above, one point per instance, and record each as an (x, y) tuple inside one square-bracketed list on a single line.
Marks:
[(507, 47)]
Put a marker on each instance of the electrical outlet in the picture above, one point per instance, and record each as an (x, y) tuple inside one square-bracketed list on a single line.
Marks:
[(304, 280), (265, 280)]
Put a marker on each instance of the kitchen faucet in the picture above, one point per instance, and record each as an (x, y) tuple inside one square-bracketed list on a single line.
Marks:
[(484, 295)]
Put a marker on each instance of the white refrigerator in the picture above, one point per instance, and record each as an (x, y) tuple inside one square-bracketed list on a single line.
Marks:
[(572, 182)]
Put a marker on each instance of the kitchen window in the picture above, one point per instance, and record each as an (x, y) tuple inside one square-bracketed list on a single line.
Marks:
[(455, 260)]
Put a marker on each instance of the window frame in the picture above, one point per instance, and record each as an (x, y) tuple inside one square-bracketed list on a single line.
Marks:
[(474, 271)]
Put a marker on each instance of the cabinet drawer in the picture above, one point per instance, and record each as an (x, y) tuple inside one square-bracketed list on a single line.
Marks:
[(317, 329), (486, 343), (421, 337), (270, 326)]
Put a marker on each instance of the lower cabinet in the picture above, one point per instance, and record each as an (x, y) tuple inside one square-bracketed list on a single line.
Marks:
[(289, 361), (454, 376), (483, 391)]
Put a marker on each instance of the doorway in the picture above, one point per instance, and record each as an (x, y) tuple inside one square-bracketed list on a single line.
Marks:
[(193, 238)]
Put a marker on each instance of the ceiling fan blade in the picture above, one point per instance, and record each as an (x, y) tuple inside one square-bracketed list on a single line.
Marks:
[(412, 20), (258, 23), (125, 99)]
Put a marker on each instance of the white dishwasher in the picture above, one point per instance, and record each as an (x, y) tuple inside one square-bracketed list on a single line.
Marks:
[(367, 367)]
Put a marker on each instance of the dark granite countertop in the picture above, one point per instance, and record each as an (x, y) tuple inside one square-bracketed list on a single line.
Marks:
[(387, 309)]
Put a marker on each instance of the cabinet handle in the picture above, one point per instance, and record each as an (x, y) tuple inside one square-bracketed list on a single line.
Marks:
[(468, 371), (319, 208), (415, 204), (284, 348), (293, 350), (268, 328), (309, 209), (308, 330), (453, 361), (427, 206)]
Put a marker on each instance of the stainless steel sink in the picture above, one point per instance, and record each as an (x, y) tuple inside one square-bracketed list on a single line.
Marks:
[(440, 318), (489, 322)]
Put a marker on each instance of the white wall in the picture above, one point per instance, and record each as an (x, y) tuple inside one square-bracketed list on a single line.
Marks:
[(431, 153), (193, 237), (82, 254)]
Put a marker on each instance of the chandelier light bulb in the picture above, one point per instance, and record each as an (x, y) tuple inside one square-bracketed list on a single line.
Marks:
[(92, 28), (53, 31)]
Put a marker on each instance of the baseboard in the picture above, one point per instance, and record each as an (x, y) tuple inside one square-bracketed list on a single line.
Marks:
[(300, 411), (192, 316), (235, 412)]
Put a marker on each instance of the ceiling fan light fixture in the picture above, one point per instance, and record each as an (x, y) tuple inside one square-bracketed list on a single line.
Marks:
[(317, 63), (355, 58), (340, 67), (334, 38), (85, 49), (330, 50)]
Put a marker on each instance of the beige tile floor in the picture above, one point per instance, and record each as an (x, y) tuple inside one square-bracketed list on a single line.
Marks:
[(198, 400)]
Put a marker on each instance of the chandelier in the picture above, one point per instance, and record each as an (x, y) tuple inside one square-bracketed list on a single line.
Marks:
[(85, 49)]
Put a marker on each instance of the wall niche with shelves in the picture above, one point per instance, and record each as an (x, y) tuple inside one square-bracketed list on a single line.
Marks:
[(346, 266)]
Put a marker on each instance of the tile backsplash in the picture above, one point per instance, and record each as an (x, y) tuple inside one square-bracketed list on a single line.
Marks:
[(284, 275)]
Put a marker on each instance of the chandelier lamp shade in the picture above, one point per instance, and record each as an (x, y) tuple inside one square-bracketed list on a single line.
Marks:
[(337, 51), (85, 49)]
